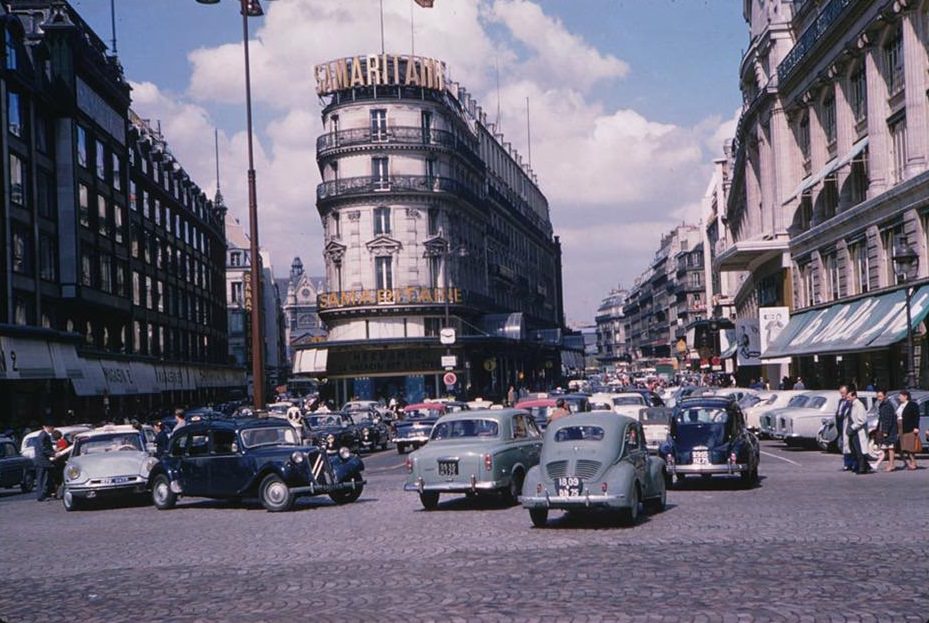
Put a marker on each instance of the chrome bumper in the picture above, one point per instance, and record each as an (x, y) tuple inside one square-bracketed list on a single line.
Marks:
[(585, 500), (314, 489), (419, 486), (93, 491), (418, 439), (710, 468)]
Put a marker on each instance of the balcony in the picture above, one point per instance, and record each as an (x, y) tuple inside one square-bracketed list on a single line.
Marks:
[(827, 17), (747, 254), (397, 135), (397, 184)]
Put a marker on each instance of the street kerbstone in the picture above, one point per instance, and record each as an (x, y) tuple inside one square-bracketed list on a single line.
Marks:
[(810, 544)]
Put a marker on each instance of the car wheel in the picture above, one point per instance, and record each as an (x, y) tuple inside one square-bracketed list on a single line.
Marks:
[(429, 499), (71, 502), (275, 495), (516, 487), (162, 496), (668, 480), (539, 517), (657, 504), (747, 480), (349, 496), (629, 516), (28, 482), (401, 449)]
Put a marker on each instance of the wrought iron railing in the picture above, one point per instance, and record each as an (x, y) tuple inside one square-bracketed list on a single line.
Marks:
[(396, 184), (397, 135), (826, 18)]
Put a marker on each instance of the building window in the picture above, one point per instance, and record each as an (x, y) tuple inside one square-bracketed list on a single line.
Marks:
[(887, 244), (136, 288), (103, 221), (336, 224), (41, 133), (10, 47), (83, 200), (859, 93), (379, 124), (235, 258), (22, 251), (380, 173), (133, 196), (118, 220), (898, 150), (121, 281), (146, 205), (17, 180), (117, 172), (100, 155), (829, 199), (236, 293), (20, 312), (48, 258), (82, 157), (827, 119), (435, 270), (893, 61), (45, 197), (136, 336), (383, 268), (433, 221), (160, 292), (15, 113), (106, 274), (806, 284), (858, 178), (426, 121), (87, 273), (149, 293), (381, 221), (803, 141), (831, 264)]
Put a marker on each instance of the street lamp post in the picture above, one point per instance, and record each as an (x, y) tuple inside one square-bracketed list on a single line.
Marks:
[(252, 8), (906, 261)]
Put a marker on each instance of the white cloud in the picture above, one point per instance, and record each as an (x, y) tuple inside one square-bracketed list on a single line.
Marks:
[(615, 178)]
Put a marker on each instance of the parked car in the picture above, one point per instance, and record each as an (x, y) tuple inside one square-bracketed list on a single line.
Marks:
[(767, 421), (27, 445), (594, 461), (754, 406), (799, 426), (15, 469), (475, 452), (629, 403), (370, 429), (414, 429), (827, 436), (656, 424), (541, 408), (708, 437), (331, 431), (108, 462), (651, 398), (264, 457)]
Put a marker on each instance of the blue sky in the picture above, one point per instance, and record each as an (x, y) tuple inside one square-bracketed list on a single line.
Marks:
[(680, 86)]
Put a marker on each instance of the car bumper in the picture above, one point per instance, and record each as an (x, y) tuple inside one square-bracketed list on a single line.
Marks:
[(411, 440), (474, 485), (315, 489), (108, 491), (711, 468), (585, 500)]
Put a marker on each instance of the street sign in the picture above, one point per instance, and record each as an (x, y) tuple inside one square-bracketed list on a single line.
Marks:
[(447, 336), (450, 378), (449, 361)]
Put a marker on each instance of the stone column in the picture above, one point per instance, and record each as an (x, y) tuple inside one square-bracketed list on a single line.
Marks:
[(917, 105), (879, 137)]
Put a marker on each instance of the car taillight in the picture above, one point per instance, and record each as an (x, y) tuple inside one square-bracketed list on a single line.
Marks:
[(409, 465), (488, 462)]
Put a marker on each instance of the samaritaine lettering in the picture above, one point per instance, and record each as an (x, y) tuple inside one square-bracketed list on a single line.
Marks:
[(395, 296), (380, 70)]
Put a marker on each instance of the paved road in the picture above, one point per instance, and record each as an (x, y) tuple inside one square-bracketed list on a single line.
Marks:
[(810, 544)]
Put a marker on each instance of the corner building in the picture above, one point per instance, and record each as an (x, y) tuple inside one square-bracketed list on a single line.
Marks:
[(428, 213)]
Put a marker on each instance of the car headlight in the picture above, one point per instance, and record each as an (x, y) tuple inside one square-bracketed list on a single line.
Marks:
[(149, 464), (344, 453), (73, 472), (297, 457)]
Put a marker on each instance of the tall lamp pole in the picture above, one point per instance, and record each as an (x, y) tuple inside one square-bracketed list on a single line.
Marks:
[(906, 261), (252, 8)]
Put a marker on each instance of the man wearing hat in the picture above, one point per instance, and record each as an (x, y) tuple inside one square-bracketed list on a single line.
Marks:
[(44, 452)]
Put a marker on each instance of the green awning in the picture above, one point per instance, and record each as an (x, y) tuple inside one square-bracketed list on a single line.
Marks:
[(864, 324)]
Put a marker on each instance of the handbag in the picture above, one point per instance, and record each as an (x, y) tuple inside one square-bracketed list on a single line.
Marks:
[(918, 446)]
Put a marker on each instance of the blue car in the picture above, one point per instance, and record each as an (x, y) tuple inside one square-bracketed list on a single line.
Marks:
[(237, 458)]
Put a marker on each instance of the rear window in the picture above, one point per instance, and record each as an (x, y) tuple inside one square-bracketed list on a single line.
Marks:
[(463, 429), (702, 415), (623, 401), (798, 401), (654, 416), (579, 433), (816, 402)]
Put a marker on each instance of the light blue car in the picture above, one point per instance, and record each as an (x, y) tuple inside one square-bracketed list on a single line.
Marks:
[(474, 453), (595, 461)]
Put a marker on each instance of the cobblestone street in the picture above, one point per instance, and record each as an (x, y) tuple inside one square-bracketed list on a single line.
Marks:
[(810, 544)]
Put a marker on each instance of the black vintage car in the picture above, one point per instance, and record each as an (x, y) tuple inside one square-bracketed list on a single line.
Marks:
[(371, 430), (15, 469), (708, 437), (249, 457), (331, 431)]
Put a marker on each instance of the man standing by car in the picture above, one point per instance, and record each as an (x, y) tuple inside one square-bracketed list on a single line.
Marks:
[(856, 424), (44, 451), (180, 420), (161, 439), (841, 412)]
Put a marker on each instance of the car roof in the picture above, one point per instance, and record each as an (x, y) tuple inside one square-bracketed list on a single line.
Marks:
[(434, 406), (536, 402), (710, 400), (607, 420), (482, 414), (239, 423), (109, 430)]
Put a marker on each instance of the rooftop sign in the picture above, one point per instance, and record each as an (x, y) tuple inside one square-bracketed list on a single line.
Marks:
[(379, 70)]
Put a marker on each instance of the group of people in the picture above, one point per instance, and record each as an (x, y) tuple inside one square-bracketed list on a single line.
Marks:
[(51, 453), (851, 421)]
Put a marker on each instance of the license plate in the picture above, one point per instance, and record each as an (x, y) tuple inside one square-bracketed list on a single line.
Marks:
[(701, 457), (570, 487), (118, 480), (448, 468)]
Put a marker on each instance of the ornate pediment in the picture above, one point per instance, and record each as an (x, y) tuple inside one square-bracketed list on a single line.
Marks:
[(384, 245), (334, 251), (437, 245), (305, 290)]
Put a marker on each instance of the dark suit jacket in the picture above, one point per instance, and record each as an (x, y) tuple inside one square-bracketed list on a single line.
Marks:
[(910, 417), (44, 450)]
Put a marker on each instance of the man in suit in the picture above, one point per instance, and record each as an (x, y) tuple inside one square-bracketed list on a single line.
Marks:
[(44, 452), (848, 460)]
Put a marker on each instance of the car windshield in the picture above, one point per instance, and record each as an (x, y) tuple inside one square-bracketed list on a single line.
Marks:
[(798, 401), (702, 415), (462, 429), (115, 442), (749, 400), (318, 421), (538, 413), (579, 433), (418, 414), (361, 418), (270, 436), (816, 402), (654, 416), (623, 401)]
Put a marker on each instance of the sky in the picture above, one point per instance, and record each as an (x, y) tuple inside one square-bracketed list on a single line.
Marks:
[(630, 101)]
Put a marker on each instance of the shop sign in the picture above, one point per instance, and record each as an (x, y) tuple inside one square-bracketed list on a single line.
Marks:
[(399, 361), (394, 296), (379, 70)]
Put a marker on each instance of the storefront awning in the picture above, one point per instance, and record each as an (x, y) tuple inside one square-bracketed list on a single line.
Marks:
[(311, 361), (26, 358), (864, 324)]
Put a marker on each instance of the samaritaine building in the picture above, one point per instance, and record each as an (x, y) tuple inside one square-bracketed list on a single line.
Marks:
[(431, 220)]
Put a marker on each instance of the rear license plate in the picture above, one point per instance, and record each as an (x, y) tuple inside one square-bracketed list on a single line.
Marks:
[(701, 457), (448, 468), (570, 487)]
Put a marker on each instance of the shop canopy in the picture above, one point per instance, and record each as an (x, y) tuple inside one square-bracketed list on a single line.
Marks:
[(311, 361), (864, 324)]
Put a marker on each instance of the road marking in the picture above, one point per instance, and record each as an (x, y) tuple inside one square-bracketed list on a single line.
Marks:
[(774, 456)]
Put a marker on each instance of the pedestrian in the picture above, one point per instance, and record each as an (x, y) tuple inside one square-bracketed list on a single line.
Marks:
[(180, 420), (886, 434), (44, 451), (559, 411), (856, 429), (161, 439), (799, 384), (841, 441), (511, 396), (57, 471), (909, 429)]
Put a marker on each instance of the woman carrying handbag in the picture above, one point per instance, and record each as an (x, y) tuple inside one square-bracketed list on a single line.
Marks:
[(910, 443)]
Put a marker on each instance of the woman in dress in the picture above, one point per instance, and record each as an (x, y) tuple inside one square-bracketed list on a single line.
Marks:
[(909, 429), (887, 429)]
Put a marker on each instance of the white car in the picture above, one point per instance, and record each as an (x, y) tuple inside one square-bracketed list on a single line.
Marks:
[(108, 462), (799, 426), (755, 406), (27, 446), (629, 403), (656, 424)]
